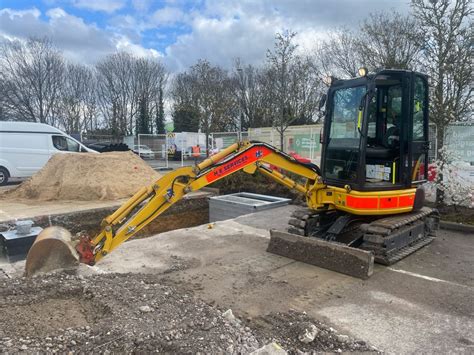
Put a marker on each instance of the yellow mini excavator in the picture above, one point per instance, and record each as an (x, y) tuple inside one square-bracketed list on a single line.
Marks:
[(365, 198)]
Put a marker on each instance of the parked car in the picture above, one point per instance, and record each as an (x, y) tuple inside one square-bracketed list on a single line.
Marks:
[(107, 147), (25, 147), (143, 151)]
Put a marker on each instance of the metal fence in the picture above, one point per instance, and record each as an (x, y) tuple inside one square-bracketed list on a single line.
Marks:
[(153, 147), (176, 149), (221, 140), (300, 140), (432, 137)]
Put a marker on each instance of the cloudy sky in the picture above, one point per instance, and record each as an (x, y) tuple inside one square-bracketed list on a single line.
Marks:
[(180, 31)]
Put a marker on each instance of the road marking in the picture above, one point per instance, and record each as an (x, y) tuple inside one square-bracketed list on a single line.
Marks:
[(434, 279)]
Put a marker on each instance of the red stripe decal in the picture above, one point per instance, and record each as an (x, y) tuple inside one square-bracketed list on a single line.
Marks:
[(362, 202), (388, 202), (240, 161), (406, 201), (385, 202)]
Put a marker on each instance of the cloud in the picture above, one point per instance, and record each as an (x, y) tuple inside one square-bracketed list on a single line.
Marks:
[(167, 16), (80, 41), (33, 12), (141, 5), (108, 6), (185, 31), (124, 44), (225, 29), (222, 40)]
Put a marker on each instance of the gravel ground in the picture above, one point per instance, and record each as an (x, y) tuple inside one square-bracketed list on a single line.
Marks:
[(138, 313)]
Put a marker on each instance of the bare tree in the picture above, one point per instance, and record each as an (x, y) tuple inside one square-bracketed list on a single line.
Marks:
[(280, 60), (292, 85), (6, 114), (206, 92), (128, 88), (149, 77), (447, 58), (388, 40), (31, 75), (216, 101), (250, 93), (77, 105), (305, 90), (338, 55), (116, 92)]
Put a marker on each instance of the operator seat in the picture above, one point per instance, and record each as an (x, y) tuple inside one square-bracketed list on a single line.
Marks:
[(388, 149)]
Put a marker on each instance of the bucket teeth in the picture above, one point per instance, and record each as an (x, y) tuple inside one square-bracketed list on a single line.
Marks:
[(52, 250)]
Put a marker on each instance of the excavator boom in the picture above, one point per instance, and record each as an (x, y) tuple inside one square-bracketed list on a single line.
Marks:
[(135, 214)]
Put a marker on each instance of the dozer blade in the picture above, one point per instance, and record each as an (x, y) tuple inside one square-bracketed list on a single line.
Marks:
[(328, 255), (52, 250)]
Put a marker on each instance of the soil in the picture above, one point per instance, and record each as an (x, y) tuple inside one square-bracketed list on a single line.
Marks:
[(458, 214), (86, 177), (106, 313)]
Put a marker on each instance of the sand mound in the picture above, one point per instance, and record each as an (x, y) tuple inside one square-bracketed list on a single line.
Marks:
[(87, 177)]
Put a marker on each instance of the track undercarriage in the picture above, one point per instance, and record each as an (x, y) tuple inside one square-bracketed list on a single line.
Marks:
[(390, 238)]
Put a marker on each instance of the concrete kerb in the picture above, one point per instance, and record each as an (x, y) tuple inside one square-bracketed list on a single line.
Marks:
[(465, 228)]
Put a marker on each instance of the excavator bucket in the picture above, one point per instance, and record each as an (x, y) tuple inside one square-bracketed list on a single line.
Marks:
[(328, 255), (53, 249)]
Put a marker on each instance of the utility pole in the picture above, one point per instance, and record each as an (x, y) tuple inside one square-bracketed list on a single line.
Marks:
[(241, 78)]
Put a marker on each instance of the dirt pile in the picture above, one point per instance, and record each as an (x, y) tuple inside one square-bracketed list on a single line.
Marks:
[(124, 313), (86, 177)]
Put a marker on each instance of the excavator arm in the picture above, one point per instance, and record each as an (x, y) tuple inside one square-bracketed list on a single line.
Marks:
[(150, 202)]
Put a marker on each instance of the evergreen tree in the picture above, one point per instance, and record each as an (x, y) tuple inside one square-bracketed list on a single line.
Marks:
[(160, 113), (143, 121), (185, 120)]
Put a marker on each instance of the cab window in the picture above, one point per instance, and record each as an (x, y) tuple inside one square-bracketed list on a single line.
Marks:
[(345, 116), (394, 105), (65, 144), (372, 120), (418, 109), (342, 154)]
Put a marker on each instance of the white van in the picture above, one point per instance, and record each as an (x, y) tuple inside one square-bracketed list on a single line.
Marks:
[(25, 147)]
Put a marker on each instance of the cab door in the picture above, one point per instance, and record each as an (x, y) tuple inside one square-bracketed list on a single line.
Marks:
[(419, 131), (342, 134)]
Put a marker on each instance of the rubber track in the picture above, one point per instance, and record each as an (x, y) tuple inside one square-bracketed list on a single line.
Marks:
[(386, 227), (383, 227), (398, 255)]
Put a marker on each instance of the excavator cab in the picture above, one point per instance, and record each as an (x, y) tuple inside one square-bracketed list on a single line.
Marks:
[(375, 135)]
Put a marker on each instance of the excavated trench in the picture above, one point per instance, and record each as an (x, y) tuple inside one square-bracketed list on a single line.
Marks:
[(189, 212), (186, 213)]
